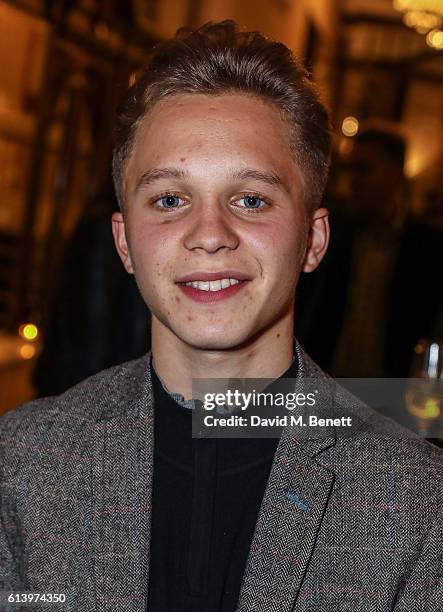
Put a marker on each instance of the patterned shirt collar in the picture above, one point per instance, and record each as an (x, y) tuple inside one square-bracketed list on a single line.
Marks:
[(190, 403)]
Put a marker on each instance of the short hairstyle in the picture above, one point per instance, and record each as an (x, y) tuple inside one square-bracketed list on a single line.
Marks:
[(216, 59)]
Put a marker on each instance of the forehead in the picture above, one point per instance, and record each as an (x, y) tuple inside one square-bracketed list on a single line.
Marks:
[(221, 113), (195, 129)]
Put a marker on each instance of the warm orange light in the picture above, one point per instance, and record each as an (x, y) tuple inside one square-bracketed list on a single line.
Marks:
[(346, 145), (101, 31), (350, 126), (421, 15), (27, 351), (28, 331), (435, 39), (419, 348), (421, 21)]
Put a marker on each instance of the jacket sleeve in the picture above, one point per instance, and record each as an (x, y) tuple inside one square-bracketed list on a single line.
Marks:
[(423, 589), (9, 579), (10, 576)]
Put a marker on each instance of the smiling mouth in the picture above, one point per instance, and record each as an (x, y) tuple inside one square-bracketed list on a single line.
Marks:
[(213, 285)]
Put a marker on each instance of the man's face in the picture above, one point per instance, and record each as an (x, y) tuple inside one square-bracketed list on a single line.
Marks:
[(214, 198)]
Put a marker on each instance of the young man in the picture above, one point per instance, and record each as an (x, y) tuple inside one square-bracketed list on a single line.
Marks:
[(221, 158)]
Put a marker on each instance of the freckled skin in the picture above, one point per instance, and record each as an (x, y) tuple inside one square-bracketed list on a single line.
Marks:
[(213, 230)]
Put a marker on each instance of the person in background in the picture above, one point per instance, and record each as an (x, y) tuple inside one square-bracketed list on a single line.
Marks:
[(381, 266), (96, 317)]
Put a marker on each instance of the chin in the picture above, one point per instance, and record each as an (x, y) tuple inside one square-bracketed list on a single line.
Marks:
[(214, 340)]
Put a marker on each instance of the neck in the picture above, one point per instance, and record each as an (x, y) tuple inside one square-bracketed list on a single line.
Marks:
[(268, 355)]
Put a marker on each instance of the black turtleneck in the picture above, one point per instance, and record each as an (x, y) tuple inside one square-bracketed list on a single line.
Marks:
[(205, 502)]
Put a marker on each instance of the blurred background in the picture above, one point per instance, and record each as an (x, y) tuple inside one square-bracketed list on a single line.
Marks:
[(67, 309)]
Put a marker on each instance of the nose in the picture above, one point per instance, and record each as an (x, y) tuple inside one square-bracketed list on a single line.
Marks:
[(211, 229)]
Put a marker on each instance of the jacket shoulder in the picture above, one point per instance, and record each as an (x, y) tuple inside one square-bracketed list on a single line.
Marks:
[(376, 439), (85, 401)]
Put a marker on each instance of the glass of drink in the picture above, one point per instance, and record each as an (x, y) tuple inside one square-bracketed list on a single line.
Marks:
[(424, 394)]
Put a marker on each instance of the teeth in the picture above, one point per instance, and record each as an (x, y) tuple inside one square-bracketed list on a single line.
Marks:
[(216, 285)]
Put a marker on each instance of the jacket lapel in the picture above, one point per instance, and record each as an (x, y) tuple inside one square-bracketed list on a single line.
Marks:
[(289, 519), (122, 484)]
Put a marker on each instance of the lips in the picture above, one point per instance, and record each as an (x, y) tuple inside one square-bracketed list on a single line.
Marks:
[(212, 276), (212, 287), (206, 296)]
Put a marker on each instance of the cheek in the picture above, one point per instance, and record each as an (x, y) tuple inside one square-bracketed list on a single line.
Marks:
[(150, 257), (148, 244), (279, 247)]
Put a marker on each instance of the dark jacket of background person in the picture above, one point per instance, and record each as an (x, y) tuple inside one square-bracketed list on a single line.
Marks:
[(412, 301), (97, 317)]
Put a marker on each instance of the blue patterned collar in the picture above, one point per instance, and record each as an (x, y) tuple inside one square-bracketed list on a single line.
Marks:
[(190, 403)]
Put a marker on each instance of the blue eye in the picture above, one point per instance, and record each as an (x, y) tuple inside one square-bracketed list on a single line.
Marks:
[(169, 201), (252, 202)]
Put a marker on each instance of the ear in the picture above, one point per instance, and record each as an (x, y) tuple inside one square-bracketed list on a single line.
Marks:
[(318, 240), (118, 230)]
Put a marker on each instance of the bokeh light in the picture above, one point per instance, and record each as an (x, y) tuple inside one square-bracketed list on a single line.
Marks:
[(27, 351), (28, 331), (350, 126), (346, 146), (435, 39)]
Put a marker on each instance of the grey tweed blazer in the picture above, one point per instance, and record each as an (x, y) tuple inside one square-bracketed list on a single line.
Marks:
[(346, 523)]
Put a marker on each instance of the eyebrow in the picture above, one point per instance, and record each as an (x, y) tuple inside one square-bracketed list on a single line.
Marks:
[(270, 178), (155, 174)]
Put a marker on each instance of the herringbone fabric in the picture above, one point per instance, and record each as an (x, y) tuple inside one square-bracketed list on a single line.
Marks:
[(347, 523)]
